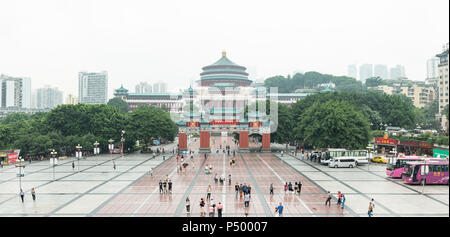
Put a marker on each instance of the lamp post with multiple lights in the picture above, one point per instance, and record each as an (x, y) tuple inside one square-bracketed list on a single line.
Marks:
[(79, 155), (53, 153), (20, 171), (96, 149)]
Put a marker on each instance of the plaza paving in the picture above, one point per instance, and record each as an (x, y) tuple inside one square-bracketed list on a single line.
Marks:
[(94, 188)]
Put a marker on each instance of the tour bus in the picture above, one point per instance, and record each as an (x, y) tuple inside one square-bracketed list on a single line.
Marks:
[(331, 152), (396, 164), (360, 156), (426, 172), (342, 162)]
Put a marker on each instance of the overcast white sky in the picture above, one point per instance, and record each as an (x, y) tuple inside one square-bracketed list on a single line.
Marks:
[(50, 41)]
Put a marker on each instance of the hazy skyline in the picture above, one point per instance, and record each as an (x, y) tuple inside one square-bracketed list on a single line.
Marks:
[(50, 41)]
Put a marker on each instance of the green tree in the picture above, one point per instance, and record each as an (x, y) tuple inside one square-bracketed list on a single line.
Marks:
[(119, 103), (333, 124), (373, 81), (146, 123)]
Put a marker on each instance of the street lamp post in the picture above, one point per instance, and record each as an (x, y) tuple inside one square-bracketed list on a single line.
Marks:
[(96, 149), (368, 160), (53, 153), (122, 140), (20, 171), (426, 173), (79, 155), (111, 145)]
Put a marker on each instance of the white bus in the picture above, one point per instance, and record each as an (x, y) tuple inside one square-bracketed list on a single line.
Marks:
[(360, 156), (331, 152)]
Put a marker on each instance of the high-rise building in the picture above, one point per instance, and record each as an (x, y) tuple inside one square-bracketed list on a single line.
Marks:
[(352, 71), (160, 87), (15, 92), (93, 87), (380, 70), (48, 97), (71, 100), (365, 71), (432, 68), (143, 87), (397, 72), (163, 87), (420, 93), (443, 85), (156, 88)]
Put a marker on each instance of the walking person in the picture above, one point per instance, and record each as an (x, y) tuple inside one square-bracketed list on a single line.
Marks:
[(170, 186), (229, 179), (343, 200), (22, 194), (285, 187), (247, 200), (73, 165), (249, 190), (240, 190), (33, 194), (188, 206), (328, 199), (151, 172), (371, 207), (160, 186), (271, 189), (299, 187), (165, 186), (114, 165), (202, 207), (280, 209), (236, 189), (213, 205), (219, 209), (208, 193), (339, 198)]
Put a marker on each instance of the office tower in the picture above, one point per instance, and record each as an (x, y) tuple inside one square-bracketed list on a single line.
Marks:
[(143, 87), (352, 71), (432, 68), (48, 97), (365, 71), (15, 92), (397, 72), (380, 70), (443, 79), (162, 87), (93, 87), (156, 88), (71, 100)]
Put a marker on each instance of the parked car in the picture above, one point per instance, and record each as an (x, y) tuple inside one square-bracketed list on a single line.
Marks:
[(342, 162), (379, 159)]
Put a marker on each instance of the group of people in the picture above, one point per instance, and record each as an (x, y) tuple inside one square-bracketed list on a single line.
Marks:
[(33, 194), (295, 189), (165, 186), (340, 201), (242, 190)]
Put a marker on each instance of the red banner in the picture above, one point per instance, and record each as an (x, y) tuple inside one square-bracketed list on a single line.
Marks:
[(381, 140), (408, 143), (223, 122), (12, 157), (425, 145)]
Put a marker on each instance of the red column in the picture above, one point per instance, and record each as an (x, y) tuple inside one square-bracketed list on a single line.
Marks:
[(243, 141), (204, 141), (266, 142), (182, 141)]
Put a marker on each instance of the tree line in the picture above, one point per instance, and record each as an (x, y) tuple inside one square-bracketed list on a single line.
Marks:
[(66, 126)]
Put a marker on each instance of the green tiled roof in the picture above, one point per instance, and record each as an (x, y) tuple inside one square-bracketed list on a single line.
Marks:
[(224, 61)]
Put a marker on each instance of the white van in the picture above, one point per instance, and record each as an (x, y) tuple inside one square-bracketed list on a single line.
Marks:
[(342, 162)]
